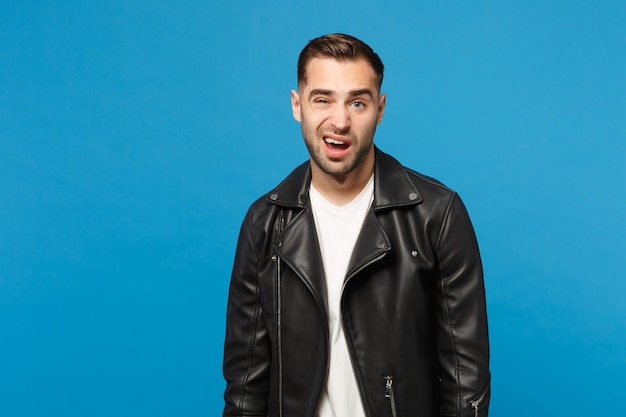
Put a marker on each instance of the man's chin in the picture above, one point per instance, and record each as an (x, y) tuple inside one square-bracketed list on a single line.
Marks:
[(337, 168)]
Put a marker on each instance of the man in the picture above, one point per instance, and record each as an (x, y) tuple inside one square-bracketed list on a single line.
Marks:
[(357, 286)]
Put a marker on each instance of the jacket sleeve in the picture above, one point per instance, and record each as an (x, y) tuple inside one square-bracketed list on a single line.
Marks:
[(462, 336), (247, 347)]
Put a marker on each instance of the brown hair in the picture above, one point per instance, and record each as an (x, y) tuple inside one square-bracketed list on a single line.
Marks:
[(341, 47)]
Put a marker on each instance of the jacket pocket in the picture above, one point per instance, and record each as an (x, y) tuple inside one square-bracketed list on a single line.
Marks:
[(391, 396), (475, 404)]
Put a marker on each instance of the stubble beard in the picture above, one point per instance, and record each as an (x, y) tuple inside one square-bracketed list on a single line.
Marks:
[(336, 167)]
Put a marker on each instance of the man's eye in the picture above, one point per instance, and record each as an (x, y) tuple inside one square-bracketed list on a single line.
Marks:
[(321, 101), (358, 104)]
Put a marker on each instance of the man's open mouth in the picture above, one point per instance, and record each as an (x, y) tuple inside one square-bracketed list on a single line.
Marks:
[(336, 144)]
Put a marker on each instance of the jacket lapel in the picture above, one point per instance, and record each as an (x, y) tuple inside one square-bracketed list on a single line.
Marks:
[(371, 245), (298, 247), (392, 188)]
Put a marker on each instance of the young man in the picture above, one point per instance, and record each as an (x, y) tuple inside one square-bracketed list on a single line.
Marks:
[(357, 288)]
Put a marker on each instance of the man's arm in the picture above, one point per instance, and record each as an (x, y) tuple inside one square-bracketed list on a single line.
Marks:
[(463, 343), (247, 350)]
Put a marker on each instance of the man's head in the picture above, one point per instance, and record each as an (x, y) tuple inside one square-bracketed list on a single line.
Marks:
[(339, 105), (342, 48)]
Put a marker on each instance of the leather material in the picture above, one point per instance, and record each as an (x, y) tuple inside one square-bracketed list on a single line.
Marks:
[(413, 304)]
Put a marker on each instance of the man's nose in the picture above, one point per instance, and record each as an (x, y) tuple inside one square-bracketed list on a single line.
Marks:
[(340, 118)]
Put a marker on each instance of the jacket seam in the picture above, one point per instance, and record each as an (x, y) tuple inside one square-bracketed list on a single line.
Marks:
[(255, 317), (447, 309), (244, 380)]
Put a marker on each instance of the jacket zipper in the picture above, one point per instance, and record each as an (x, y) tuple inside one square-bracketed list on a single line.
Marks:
[(389, 378), (389, 394), (476, 403), (362, 267)]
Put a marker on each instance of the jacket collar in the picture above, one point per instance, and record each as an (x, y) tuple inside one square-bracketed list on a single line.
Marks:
[(392, 187)]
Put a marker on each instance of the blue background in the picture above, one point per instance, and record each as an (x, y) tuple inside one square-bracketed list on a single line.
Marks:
[(134, 135)]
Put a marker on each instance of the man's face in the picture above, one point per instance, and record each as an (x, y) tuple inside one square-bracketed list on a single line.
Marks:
[(339, 107)]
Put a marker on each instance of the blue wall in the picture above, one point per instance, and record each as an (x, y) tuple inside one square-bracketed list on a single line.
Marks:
[(133, 136)]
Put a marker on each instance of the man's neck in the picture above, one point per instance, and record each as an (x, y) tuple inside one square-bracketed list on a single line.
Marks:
[(341, 189)]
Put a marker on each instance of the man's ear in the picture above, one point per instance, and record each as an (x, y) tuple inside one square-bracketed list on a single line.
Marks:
[(295, 105), (381, 107)]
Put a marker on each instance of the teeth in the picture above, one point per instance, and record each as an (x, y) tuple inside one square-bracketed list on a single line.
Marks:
[(333, 141)]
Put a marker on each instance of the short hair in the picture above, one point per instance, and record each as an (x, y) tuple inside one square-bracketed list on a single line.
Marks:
[(341, 47)]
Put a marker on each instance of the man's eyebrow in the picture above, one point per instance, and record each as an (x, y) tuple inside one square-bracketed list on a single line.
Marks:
[(355, 93), (365, 92), (320, 92)]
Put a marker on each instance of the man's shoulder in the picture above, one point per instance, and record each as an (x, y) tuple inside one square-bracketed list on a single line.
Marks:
[(425, 181), (291, 191), (395, 174)]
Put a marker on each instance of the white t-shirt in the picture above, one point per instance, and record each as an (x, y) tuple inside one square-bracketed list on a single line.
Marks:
[(337, 229)]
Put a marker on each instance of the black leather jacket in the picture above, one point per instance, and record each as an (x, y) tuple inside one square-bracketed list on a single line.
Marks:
[(413, 304)]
